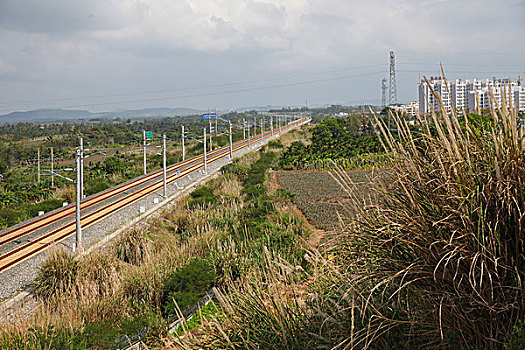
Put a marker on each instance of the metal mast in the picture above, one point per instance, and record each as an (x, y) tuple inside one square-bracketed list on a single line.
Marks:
[(392, 96), (144, 149), (183, 148), (81, 168), (78, 231), (231, 144), (165, 194), (383, 92), (204, 143)]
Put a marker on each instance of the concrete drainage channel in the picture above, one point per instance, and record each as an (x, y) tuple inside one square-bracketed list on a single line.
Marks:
[(96, 236)]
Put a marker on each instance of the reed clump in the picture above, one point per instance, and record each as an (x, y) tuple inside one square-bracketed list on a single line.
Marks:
[(436, 262), (57, 275), (441, 259)]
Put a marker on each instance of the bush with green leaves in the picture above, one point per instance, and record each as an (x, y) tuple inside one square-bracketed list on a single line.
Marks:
[(109, 334), (202, 196), (275, 144), (96, 185), (187, 285), (45, 206), (334, 138)]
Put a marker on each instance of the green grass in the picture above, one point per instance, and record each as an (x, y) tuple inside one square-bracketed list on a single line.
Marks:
[(203, 313)]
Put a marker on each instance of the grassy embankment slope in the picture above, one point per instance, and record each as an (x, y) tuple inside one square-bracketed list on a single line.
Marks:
[(215, 237), (436, 263)]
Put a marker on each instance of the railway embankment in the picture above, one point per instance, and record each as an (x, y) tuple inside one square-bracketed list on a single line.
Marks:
[(17, 278)]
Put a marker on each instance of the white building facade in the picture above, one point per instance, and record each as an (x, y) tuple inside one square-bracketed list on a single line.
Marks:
[(464, 95), (411, 108)]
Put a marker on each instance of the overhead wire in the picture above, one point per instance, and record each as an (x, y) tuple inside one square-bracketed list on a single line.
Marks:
[(199, 87), (282, 83)]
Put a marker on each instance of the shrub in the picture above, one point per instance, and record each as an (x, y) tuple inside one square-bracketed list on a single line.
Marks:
[(275, 144), (237, 169), (10, 217), (132, 248), (285, 194), (95, 186), (46, 206), (202, 196), (100, 335), (187, 285)]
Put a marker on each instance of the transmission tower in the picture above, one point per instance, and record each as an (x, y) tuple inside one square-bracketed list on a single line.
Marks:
[(383, 92), (392, 97)]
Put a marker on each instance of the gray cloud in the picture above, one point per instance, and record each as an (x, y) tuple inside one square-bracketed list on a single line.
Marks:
[(66, 49)]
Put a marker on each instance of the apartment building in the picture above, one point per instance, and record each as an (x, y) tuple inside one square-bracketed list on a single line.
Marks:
[(411, 108), (466, 94)]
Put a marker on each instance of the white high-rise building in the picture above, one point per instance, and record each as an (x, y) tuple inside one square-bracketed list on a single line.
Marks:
[(519, 98), (461, 94)]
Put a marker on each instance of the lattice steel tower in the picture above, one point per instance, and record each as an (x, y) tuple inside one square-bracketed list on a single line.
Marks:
[(392, 96), (383, 92)]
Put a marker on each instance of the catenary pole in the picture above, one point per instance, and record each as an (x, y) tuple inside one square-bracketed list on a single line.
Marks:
[(211, 130), (231, 145), (81, 168), (144, 149), (164, 165), (249, 135), (204, 130), (52, 170), (262, 129), (183, 148), (38, 164), (78, 232)]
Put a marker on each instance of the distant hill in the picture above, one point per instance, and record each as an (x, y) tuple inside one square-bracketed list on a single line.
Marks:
[(152, 112), (45, 115), (50, 115), (257, 108)]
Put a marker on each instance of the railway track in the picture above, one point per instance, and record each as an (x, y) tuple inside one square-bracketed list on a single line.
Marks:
[(24, 229), (19, 254)]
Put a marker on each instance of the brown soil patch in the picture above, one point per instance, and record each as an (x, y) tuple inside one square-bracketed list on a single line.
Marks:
[(336, 200)]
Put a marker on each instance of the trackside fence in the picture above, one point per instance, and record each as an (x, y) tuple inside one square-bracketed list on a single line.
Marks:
[(125, 342)]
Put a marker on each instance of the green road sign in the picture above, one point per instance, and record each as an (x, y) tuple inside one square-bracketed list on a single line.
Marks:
[(149, 134)]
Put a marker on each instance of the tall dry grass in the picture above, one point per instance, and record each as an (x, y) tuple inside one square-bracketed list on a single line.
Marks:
[(441, 259), (436, 263)]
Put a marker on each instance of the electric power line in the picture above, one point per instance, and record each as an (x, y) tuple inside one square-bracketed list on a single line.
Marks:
[(191, 88), (226, 92)]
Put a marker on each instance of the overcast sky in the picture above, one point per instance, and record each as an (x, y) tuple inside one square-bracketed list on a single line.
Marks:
[(105, 55)]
